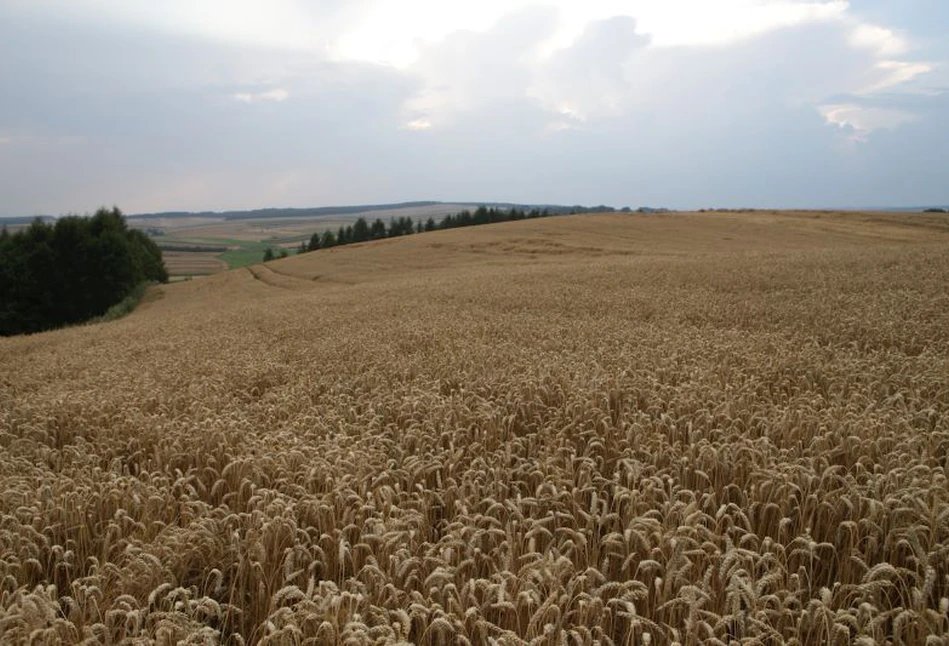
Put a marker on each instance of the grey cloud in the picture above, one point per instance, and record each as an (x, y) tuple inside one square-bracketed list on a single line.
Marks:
[(149, 121), (100, 116)]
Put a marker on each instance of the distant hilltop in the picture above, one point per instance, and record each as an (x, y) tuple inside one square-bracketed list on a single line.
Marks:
[(416, 208), (326, 211), (27, 219), (295, 212), (444, 207)]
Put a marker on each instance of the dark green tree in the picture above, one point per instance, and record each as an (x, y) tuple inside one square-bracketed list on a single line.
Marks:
[(73, 270), (327, 240), (360, 230), (378, 229), (400, 226)]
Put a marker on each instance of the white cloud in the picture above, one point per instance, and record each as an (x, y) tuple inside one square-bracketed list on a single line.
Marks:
[(571, 113), (896, 73), (699, 22), (881, 40), (864, 120), (569, 118), (559, 57), (418, 124), (277, 95), (396, 34)]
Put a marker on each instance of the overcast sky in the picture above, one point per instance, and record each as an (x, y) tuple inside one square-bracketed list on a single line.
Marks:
[(227, 104)]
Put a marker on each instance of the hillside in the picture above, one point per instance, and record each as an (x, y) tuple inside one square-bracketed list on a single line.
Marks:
[(209, 242), (700, 427)]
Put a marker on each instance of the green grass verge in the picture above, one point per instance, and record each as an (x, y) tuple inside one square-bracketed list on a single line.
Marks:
[(242, 258), (125, 306)]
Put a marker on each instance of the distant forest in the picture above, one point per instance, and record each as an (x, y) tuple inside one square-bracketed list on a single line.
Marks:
[(73, 270)]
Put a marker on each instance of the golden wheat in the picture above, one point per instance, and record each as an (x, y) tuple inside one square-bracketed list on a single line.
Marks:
[(599, 429)]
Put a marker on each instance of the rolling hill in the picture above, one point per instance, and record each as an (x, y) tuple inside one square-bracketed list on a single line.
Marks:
[(612, 428)]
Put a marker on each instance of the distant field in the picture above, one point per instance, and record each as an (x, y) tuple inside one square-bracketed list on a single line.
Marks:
[(246, 239), (241, 258), (709, 428), (180, 263)]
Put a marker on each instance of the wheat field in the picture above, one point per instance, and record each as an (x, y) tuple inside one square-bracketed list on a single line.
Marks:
[(600, 429)]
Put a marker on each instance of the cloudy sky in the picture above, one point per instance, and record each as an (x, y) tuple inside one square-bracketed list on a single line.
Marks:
[(225, 104)]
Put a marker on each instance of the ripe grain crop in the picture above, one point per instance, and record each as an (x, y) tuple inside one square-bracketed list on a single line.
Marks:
[(618, 429)]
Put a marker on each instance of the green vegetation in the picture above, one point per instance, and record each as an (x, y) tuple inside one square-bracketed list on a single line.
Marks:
[(363, 231), (125, 306), (249, 253), (240, 257), (72, 271), (270, 254)]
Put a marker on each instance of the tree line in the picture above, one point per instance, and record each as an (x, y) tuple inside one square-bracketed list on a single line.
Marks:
[(72, 270), (363, 231)]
